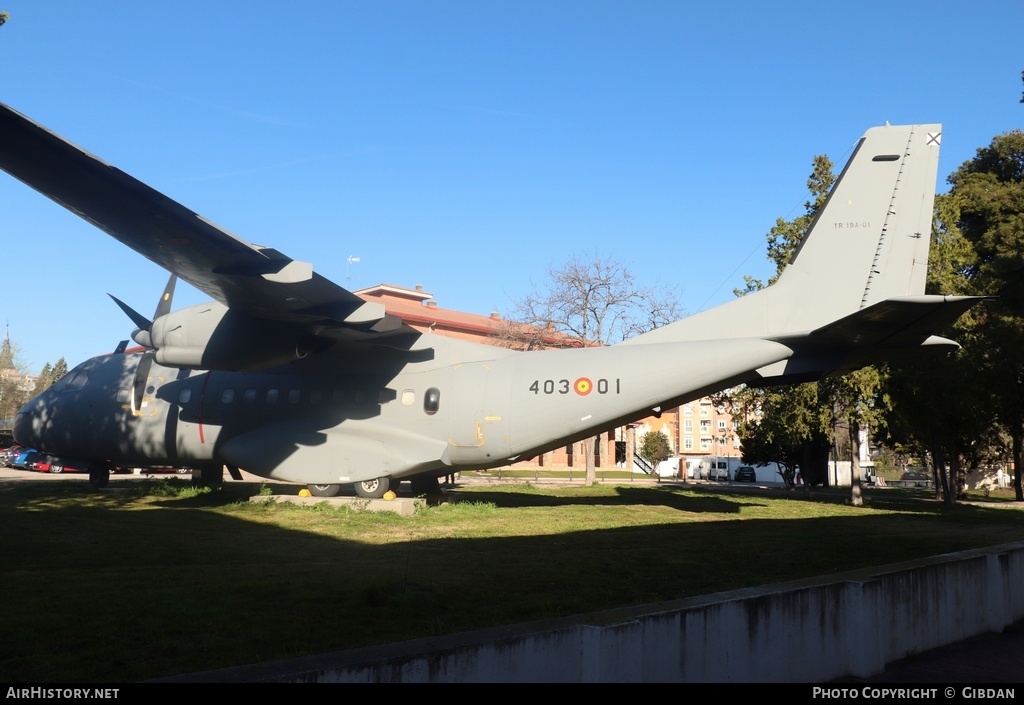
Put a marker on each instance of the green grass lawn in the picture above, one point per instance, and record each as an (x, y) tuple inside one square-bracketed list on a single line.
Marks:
[(153, 578)]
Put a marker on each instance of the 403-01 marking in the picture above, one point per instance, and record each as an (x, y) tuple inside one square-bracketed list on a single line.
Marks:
[(581, 386)]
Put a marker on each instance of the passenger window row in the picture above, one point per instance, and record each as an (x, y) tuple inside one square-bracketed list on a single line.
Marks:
[(431, 399)]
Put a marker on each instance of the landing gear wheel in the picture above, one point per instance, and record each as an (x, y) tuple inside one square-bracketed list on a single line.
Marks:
[(372, 489), (56, 469), (324, 490), (99, 475)]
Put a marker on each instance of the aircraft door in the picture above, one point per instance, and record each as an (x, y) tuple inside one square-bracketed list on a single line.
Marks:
[(479, 430)]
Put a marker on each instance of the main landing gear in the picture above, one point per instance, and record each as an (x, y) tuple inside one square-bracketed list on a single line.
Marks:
[(324, 490), (422, 486), (372, 489), (368, 489)]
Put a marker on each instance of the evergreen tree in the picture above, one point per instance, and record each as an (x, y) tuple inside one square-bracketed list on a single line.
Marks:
[(44, 380), (60, 368)]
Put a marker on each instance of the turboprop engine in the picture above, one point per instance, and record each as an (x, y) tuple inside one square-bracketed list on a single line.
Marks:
[(211, 336)]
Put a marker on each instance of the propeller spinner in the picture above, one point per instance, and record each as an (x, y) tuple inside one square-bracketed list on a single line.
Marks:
[(143, 336)]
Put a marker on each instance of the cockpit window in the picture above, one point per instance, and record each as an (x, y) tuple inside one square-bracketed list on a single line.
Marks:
[(75, 381)]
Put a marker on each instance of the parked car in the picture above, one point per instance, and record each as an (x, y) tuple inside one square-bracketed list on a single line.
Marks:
[(745, 473), (7, 455), (40, 463), (22, 458), (59, 465)]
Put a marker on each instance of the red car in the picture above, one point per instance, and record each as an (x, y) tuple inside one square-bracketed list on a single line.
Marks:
[(49, 463)]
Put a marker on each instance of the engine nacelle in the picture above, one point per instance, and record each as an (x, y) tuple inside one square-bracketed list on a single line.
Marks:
[(211, 336)]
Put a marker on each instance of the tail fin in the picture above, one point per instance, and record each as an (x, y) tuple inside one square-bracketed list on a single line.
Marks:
[(870, 240), (868, 243)]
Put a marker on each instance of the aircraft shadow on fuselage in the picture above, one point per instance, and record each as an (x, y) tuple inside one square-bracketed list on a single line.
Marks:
[(308, 397)]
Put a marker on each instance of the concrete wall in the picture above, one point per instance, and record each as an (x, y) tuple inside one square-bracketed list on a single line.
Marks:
[(806, 631)]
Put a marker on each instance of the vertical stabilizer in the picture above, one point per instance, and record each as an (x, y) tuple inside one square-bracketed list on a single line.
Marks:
[(870, 240), (868, 243)]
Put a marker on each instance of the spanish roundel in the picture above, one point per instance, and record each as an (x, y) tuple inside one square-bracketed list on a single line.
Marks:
[(583, 386)]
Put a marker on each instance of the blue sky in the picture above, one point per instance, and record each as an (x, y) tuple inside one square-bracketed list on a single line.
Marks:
[(469, 146)]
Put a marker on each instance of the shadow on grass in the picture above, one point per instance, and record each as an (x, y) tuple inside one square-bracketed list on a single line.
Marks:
[(651, 497), (112, 587)]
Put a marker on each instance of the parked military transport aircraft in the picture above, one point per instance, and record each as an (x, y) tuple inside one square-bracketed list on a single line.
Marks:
[(291, 377)]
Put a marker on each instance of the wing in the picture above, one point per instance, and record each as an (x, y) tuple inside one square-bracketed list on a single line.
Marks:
[(258, 281)]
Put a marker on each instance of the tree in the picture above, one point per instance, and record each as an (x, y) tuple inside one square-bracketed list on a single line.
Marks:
[(596, 300), (50, 374), (60, 368), (654, 447), (44, 380), (15, 384), (786, 424), (967, 409), (988, 194), (856, 398), (590, 300)]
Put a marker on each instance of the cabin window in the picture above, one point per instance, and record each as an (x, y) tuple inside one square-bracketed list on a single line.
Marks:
[(432, 401), (227, 396), (122, 395), (271, 396), (316, 396), (184, 395), (249, 396), (294, 395), (408, 397)]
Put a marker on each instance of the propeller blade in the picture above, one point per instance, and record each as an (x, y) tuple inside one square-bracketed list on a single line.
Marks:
[(142, 334), (121, 347), (141, 378), (138, 319), (164, 307)]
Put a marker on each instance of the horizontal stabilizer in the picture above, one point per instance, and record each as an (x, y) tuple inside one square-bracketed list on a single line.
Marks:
[(898, 322)]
